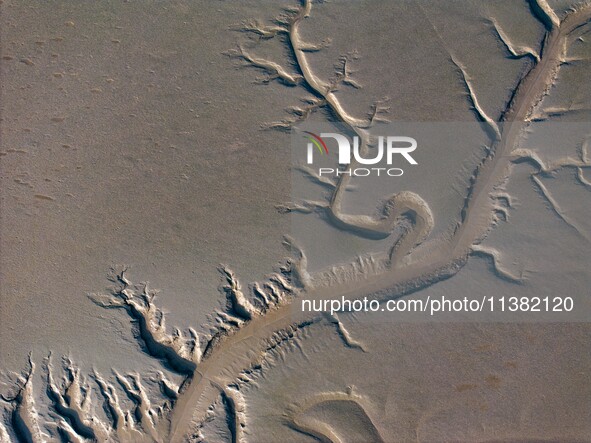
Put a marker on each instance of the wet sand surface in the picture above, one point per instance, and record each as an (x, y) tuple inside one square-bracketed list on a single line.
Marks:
[(149, 142)]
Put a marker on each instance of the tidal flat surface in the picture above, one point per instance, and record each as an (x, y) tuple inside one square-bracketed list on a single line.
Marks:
[(147, 173)]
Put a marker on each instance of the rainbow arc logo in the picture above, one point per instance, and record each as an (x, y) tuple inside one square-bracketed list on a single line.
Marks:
[(318, 142)]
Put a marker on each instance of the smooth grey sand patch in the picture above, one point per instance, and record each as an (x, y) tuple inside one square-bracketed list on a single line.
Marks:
[(148, 172)]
